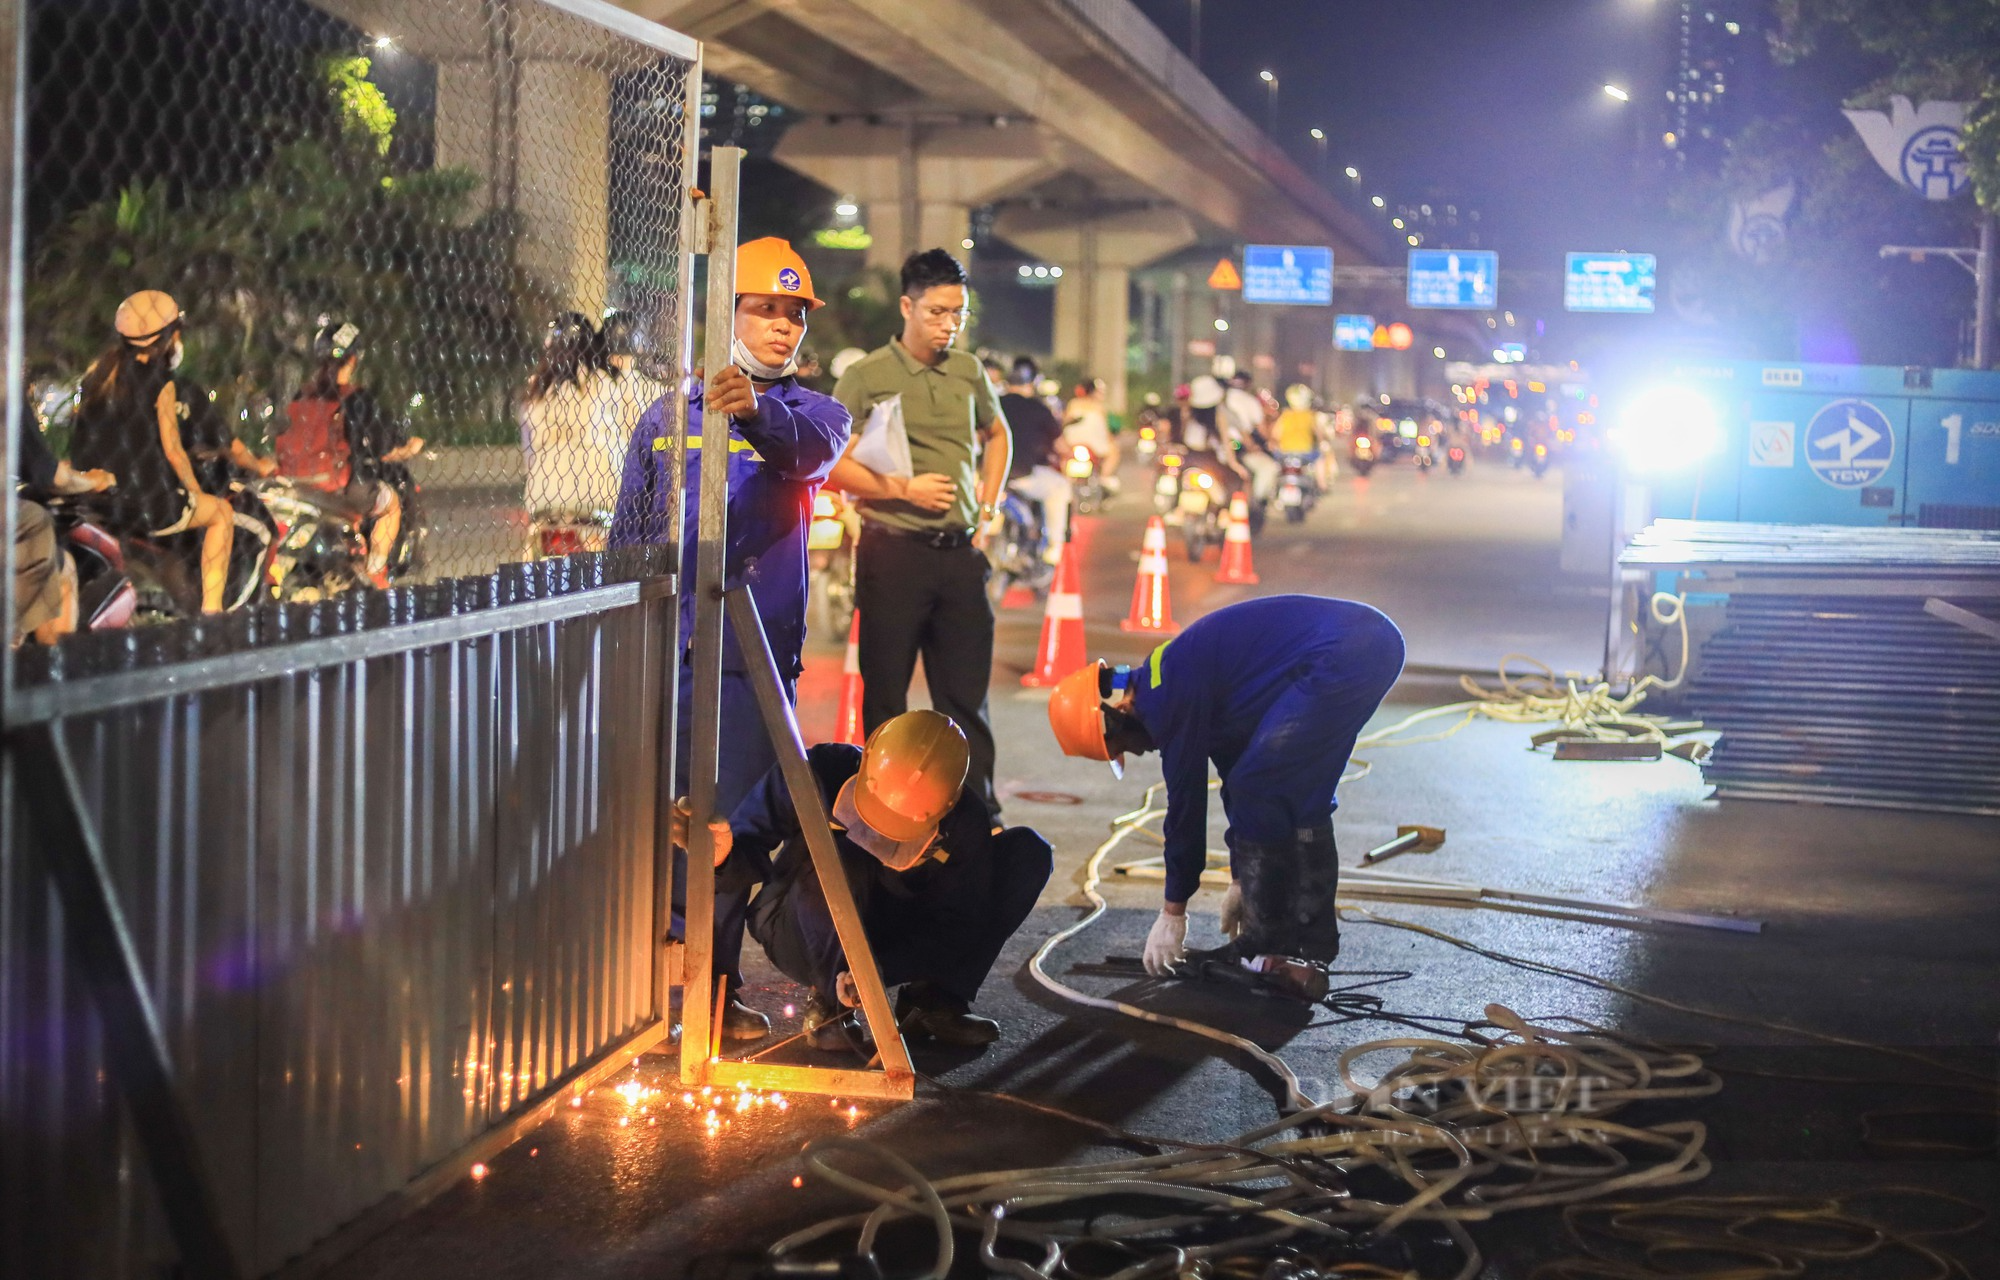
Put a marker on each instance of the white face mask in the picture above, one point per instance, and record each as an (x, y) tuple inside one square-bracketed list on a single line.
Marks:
[(740, 356), (897, 855)]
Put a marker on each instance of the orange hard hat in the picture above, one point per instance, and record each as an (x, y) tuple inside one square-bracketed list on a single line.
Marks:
[(1076, 714), (772, 266), (146, 315), (911, 773)]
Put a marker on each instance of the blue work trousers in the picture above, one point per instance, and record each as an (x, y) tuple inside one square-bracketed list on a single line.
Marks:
[(942, 923), (1283, 784), (746, 755)]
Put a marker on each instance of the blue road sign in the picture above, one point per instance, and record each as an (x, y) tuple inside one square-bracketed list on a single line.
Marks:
[(1461, 278), (1617, 282), (1293, 274), (1850, 444), (1354, 333)]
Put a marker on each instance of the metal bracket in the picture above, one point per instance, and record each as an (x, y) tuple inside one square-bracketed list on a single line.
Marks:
[(136, 1047)]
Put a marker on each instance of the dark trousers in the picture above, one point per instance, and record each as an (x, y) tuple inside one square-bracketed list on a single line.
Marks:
[(1284, 782), (918, 599), (943, 923), (746, 755)]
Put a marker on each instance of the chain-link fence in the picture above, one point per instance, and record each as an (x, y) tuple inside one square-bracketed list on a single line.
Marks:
[(338, 315)]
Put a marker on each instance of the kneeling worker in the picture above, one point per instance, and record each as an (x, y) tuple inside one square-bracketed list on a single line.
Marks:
[(1274, 691), (939, 891)]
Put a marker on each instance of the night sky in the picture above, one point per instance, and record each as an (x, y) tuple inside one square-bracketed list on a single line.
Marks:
[(1495, 103)]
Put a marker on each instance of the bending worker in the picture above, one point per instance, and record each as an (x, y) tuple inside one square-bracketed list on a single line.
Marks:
[(783, 439), (1274, 691), (938, 890)]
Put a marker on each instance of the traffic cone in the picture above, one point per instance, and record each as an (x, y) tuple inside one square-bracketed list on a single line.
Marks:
[(1061, 650), (1235, 567), (847, 727), (1151, 610)]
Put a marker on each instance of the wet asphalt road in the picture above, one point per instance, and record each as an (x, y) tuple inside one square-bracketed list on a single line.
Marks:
[(1880, 928)]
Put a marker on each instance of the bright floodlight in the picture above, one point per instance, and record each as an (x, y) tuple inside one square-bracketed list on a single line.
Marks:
[(1667, 428), (1617, 93), (846, 209)]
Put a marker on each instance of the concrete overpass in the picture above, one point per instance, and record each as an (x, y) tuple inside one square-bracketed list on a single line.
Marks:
[(1104, 148)]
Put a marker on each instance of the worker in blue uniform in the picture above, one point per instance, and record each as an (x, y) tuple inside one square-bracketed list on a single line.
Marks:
[(783, 440), (938, 889), (1274, 691)]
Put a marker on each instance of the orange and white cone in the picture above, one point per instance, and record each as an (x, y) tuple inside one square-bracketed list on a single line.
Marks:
[(847, 727), (1151, 610), (1061, 650), (1235, 566)]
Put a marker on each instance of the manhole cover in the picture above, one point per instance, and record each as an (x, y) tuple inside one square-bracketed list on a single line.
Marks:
[(1048, 797)]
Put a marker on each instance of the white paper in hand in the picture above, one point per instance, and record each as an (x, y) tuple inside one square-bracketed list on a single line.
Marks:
[(884, 446)]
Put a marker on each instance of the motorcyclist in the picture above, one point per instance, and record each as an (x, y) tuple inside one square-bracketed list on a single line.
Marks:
[(342, 442), (1243, 404), (130, 421), (44, 574), (1035, 471), (1299, 431), (1087, 423), (578, 412), (1208, 432)]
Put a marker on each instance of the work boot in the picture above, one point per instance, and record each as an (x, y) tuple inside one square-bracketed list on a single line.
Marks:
[(924, 1010), (828, 1026), (740, 1022), (1268, 875), (1317, 935)]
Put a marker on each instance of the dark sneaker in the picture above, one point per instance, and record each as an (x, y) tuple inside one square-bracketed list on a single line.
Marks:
[(740, 1022), (829, 1027), (922, 1010)]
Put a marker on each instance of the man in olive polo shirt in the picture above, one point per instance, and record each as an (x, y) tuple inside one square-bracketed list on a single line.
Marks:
[(920, 579)]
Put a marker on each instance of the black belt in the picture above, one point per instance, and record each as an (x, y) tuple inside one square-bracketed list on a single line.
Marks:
[(937, 539)]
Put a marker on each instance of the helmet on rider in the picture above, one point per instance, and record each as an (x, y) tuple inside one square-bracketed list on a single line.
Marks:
[(146, 317), (618, 334), (772, 266), (912, 771), (1204, 392), (1023, 372), (1076, 715), (336, 339)]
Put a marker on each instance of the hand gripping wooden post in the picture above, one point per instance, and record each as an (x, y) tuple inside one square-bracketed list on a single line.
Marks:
[(700, 1006)]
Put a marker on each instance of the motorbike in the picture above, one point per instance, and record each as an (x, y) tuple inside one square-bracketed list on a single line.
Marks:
[(1538, 460), (320, 551), (1454, 458), (1517, 451), (1149, 438), (1085, 478), (1167, 485), (1363, 453), (106, 599), (563, 535), (830, 542), (1202, 503), (1425, 455), (1298, 488), (1016, 552)]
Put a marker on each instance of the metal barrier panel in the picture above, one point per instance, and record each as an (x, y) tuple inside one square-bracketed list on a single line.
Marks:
[(386, 859)]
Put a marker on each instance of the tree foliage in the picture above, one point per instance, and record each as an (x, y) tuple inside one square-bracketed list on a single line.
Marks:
[(327, 228), (1938, 49)]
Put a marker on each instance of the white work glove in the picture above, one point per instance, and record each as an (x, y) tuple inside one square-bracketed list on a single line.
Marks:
[(1166, 944), (1232, 911)]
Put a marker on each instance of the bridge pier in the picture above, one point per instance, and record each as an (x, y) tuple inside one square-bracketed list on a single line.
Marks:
[(918, 182), (1098, 254)]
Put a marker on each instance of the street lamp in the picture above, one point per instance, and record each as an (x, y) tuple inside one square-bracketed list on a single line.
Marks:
[(1614, 91), (1377, 201), (1270, 79), (1319, 140), (1354, 173)]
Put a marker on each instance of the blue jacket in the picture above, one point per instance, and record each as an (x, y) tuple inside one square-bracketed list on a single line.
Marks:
[(777, 461), (1203, 695)]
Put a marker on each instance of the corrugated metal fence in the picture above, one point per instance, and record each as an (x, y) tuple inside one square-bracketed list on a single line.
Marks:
[(380, 906)]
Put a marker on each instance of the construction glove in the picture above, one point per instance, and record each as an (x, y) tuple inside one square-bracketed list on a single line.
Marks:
[(1166, 944), (1232, 911)]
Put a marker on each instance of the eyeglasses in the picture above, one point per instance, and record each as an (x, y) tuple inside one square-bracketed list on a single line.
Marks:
[(939, 313)]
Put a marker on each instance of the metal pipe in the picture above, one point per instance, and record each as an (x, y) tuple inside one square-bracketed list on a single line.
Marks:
[(1982, 323), (704, 739)]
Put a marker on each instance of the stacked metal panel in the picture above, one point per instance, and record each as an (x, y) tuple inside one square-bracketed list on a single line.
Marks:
[(1852, 666)]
